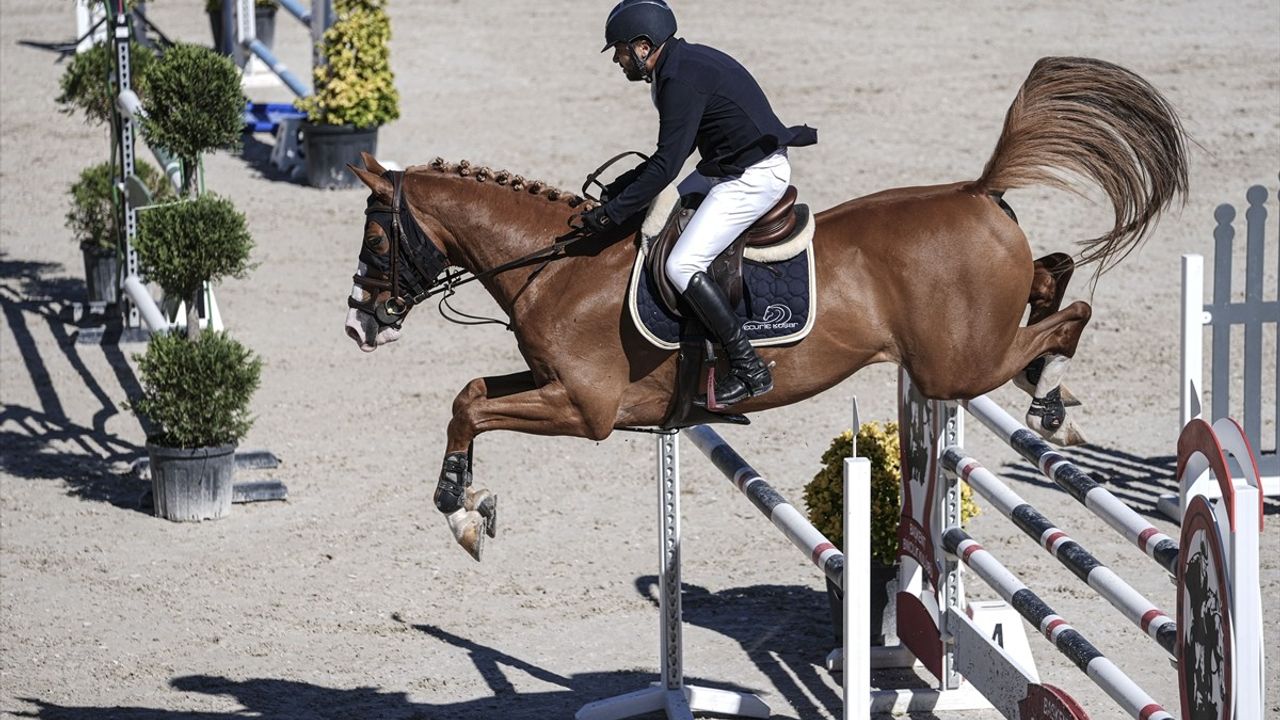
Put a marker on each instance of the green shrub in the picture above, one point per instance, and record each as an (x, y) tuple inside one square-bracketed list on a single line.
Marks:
[(824, 495), (194, 104), (86, 83), (356, 85), (183, 244), (92, 217), (196, 393)]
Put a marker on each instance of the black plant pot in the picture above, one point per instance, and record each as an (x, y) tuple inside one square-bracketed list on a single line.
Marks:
[(194, 484), (328, 150), (101, 274), (264, 20), (881, 577)]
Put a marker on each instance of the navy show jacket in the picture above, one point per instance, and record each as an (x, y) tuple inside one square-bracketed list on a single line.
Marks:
[(707, 101)]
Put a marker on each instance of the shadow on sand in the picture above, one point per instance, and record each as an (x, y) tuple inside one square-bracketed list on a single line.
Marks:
[(1138, 481), (40, 441)]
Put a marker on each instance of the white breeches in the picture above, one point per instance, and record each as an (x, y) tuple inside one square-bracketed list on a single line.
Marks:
[(731, 206)]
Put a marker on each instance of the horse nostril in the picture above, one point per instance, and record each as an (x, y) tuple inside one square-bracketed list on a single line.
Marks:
[(354, 335)]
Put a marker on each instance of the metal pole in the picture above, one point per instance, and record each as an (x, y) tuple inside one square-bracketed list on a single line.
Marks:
[(120, 41)]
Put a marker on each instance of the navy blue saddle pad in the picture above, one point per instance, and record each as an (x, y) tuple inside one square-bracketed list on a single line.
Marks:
[(777, 307)]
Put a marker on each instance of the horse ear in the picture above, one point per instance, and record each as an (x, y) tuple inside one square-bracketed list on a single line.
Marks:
[(378, 184), (371, 163)]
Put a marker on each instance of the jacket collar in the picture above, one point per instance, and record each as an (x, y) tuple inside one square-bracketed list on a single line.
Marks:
[(669, 60)]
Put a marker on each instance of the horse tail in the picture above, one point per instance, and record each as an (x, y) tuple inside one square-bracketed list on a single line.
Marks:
[(1101, 122)]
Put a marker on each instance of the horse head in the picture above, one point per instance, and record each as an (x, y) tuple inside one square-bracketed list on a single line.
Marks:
[(438, 226), (399, 262)]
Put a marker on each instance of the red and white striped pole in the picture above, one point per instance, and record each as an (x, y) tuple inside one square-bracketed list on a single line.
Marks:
[(768, 501), (1122, 518), (1133, 605), (1128, 695)]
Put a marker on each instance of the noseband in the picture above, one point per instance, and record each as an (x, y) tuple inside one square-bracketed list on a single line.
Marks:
[(418, 278)]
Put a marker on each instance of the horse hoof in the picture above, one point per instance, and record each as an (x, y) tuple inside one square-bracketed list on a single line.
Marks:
[(1068, 399), (468, 529), (1069, 435), (485, 503)]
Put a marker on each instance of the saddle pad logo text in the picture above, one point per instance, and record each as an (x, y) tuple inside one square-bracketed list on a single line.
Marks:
[(776, 317)]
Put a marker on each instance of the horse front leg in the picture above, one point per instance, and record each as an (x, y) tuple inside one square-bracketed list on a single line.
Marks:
[(509, 402)]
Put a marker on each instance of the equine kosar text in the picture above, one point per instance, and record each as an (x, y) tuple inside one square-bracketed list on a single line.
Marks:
[(887, 261)]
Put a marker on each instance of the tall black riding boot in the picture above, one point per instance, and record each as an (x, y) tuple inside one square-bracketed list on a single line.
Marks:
[(748, 375)]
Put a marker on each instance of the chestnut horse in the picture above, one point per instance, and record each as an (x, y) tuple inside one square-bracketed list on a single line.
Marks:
[(934, 278)]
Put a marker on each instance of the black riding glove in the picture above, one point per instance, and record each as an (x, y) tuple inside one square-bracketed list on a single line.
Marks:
[(596, 220), (615, 188)]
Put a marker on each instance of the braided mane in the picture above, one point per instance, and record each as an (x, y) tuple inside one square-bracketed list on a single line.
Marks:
[(506, 178)]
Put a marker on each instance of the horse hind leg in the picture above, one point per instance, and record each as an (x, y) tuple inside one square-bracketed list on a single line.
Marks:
[(1051, 274), (1053, 339)]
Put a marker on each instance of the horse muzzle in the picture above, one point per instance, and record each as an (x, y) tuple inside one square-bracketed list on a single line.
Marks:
[(367, 332)]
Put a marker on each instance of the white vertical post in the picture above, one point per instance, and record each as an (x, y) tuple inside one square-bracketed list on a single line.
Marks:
[(245, 30), (1193, 317), (947, 515), (669, 564), (857, 584), (90, 16), (1193, 322)]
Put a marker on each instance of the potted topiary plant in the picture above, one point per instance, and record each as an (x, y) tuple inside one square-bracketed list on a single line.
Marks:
[(354, 93), (86, 83), (824, 499), (194, 105), (195, 398), (196, 387), (92, 220), (182, 245)]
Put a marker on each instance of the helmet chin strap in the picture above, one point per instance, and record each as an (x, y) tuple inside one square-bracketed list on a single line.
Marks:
[(640, 63)]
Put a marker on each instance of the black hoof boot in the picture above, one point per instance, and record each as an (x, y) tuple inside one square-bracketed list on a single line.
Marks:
[(455, 478), (1049, 410)]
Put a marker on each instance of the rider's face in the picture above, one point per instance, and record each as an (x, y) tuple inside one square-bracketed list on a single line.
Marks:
[(623, 58)]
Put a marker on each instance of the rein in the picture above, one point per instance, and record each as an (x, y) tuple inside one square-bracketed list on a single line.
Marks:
[(426, 271)]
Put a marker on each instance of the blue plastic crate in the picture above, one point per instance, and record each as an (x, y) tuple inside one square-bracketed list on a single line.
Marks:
[(266, 117)]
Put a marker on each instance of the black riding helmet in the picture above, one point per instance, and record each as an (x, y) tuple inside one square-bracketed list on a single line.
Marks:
[(632, 20)]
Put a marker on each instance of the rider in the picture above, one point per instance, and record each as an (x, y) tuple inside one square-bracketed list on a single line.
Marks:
[(705, 100)]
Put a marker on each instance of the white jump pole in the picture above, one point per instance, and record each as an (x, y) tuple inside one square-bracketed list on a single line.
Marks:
[(671, 694), (146, 305)]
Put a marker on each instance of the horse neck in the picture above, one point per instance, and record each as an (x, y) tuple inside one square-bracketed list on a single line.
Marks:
[(486, 225)]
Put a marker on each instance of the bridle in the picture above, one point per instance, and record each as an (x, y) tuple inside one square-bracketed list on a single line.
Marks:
[(424, 271)]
